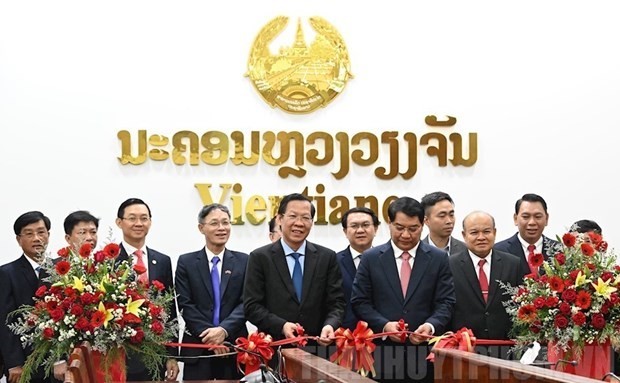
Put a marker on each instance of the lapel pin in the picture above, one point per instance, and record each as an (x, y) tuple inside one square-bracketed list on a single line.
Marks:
[(227, 272), (154, 262)]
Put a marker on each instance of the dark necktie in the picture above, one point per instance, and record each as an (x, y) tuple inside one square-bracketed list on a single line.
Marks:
[(297, 275), (530, 255), (215, 281), (482, 278)]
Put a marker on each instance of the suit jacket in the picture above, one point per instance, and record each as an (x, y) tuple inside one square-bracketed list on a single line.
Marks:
[(348, 270), (487, 320), (269, 296), (377, 297), (513, 246), (18, 284), (456, 246), (160, 269), (195, 298)]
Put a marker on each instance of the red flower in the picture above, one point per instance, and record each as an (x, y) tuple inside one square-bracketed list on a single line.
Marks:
[(537, 259), (536, 326), (63, 267), (556, 284), (158, 285), (569, 295), (602, 246), (64, 252), (70, 292), (87, 298), (99, 256), (539, 302), (598, 321), (564, 308), (57, 314), (595, 238), (583, 300), (157, 327), (155, 310), (77, 310), (139, 269), (552, 301), (569, 239), (85, 250), (131, 318), (607, 275), (112, 250), (561, 258), (82, 324), (89, 268), (560, 321), (527, 313), (97, 319), (587, 249), (573, 274), (138, 337), (48, 333), (40, 291), (579, 318)]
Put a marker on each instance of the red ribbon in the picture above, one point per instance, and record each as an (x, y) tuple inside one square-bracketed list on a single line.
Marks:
[(257, 343), (358, 341), (463, 340)]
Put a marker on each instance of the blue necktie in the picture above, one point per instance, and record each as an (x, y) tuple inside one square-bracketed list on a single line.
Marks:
[(215, 281), (297, 275)]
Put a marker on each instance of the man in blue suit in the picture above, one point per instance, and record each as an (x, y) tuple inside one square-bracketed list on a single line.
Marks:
[(359, 225), (404, 279), (211, 301)]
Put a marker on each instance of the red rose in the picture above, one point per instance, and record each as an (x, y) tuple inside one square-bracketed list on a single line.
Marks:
[(569, 295), (539, 302), (138, 337), (552, 301), (573, 274), (564, 308), (155, 310), (158, 285), (70, 292), (606, 275), (560, 321), (40, 291), (602, 246), (99, 256), (112, 250), (535, 327), (579, 318), (89, 268), (595, 238), (64, 252), (561, 258), (51, 305), (85, 249), (598, 321), (87, 298), (131, 318), (583, 300), (82, 324), (139, 269), (569, 239), (614, 298), (63, 267), (77, 310), (587, 249), (57, 314), (157, 327), (48, 333)]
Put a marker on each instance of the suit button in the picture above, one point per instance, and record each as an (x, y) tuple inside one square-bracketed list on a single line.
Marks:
[(405, 311), (486, 314)]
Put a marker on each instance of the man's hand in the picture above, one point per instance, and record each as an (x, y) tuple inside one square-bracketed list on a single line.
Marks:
[(172, 369), (424, 329), (327, 334), (213, 335), (14, 374), (289, 330), (60, 368), (393, 327)]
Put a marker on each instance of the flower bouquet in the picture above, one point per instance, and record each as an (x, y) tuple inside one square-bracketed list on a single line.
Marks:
[(575, 303), (91, 296)]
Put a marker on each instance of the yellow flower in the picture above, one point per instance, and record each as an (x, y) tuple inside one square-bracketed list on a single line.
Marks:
[(107, 312), (132, 307), (581, 279), (105, 279), (77, 284), (603, 289)]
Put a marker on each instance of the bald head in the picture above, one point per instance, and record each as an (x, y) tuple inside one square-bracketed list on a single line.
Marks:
[(479, 233)]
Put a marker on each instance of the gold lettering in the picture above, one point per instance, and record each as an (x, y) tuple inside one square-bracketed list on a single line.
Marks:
[(457, 142), (239, 158), (237, 206), (180, 148), (412, 156), (440, 151), (126, 156), (205, 193), (373, 149), (343, 140), (328, 149), (389, 138), (340, 205), (220, 146), (255, 204)]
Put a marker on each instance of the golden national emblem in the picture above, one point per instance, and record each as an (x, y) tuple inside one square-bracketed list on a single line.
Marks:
[(299, 78)]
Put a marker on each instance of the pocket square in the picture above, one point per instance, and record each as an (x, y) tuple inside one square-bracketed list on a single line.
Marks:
[(227, 272)]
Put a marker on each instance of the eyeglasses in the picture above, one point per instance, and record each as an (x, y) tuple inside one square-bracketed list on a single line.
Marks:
[(401, 228), (306, 219), (32, 234), (214, 224), (134, 219), (365, 226)]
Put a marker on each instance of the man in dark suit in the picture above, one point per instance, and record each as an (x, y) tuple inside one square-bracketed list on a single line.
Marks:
[(81, 227), (134, 219), (404, 279), (19, 281), (293, 281), (210, 319), (531, 218), (359, 225), (476, 272), (439, 219)]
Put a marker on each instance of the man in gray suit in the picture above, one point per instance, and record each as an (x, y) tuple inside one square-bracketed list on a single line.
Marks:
[(439, 218)]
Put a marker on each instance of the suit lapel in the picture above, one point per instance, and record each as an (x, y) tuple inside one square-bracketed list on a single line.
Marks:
[(420, 264), (227, 269), (151, 264), (496, 274), (388, 261), (347, 263), (202, 263), (469, 271), (310, 262), (279, 260), (29, 275)]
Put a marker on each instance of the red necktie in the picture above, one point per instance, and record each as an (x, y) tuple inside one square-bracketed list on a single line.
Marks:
[(405, 272), (530, 255), (482, 278), (140, 262)]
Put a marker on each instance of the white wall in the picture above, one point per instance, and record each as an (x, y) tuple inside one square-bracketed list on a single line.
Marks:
[(538, 81)]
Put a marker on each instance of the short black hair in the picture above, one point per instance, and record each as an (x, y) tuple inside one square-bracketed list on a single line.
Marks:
[(129, 202), (79, 216), (30, 218), (294, 197), (209, 208), (432, 199), (360, 209), (586, 226), (530, 197), (407, 205), (272, 225)]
